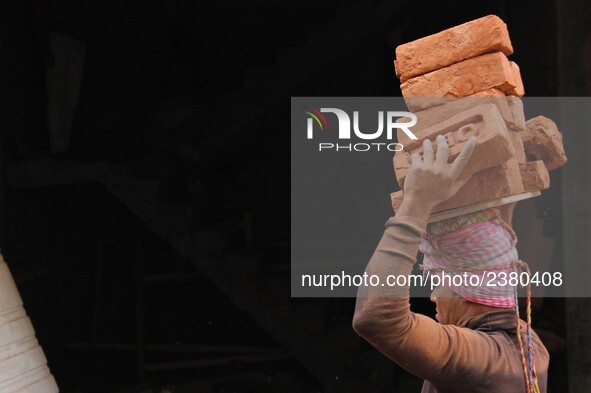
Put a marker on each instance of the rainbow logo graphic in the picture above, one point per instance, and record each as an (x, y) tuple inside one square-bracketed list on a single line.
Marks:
[(316, 115)]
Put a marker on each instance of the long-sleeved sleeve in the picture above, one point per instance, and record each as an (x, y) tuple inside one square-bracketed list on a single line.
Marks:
[(442, 354)]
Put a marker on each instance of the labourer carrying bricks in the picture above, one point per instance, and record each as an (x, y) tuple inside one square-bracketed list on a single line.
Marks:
[(477, 345)]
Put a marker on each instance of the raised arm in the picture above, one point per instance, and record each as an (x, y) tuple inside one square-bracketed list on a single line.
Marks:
[(382, 314)]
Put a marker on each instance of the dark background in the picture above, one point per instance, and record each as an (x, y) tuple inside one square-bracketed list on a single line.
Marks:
[(153, 252)]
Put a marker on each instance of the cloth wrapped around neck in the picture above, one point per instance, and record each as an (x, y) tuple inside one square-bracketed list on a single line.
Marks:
[(473, 255)]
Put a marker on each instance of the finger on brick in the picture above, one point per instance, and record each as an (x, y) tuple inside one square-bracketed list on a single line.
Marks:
[(534, 175), (493, 144), (474, 38), (543, 141), (506, 106), (465, 78)]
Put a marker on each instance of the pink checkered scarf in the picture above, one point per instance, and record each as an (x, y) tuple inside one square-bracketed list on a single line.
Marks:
[(484, 249)]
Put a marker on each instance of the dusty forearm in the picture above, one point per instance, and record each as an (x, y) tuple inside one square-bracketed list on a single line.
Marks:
[(382, 313), (417, 208), (395, 255)]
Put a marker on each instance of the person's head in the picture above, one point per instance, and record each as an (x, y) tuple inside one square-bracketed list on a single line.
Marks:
[(452, 309), (472, 241)]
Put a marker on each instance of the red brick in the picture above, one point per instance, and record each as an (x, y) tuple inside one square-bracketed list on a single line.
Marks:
[(417, 104), (543, 141), (492, 70), (489, 93), (489, 184), (507, 106), (534, 175), (493, 144), (474, 38), (517, 146), (517, 81), (516, 107), (396, 200)]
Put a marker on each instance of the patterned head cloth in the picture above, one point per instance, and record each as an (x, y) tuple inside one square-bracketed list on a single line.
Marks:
[(473, 246), (480, 249)]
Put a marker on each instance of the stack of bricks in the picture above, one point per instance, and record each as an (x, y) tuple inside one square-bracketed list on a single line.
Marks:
[(460, 83)]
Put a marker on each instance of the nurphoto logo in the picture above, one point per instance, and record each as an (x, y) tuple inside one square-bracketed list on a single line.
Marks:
[(317, 120)]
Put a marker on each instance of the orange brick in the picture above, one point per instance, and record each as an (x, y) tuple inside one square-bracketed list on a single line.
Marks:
[(419, 104), (493, 144), (489, 93), (516, 107), (517, 147), (429, 117), (396, 200), (465, 78), (416, 104), (543, 141), (517, 81), (474, 38), (534, 175), (489, 184)]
